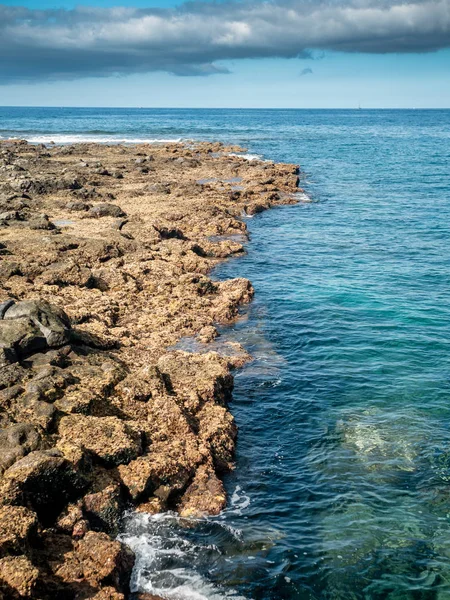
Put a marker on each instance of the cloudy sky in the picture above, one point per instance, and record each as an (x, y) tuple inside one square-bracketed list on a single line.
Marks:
[(277, 53)]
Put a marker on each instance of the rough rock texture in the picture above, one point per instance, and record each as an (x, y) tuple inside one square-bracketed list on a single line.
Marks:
[(104, 264)]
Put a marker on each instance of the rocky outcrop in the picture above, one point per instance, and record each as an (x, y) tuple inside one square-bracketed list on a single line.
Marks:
[(98, 411)]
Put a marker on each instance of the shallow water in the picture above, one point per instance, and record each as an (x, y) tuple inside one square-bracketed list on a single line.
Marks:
[(343, 467)]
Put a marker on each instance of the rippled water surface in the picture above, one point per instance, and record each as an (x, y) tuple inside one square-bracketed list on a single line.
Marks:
[(343, 468)]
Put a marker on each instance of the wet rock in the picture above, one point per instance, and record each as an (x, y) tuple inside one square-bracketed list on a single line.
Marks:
[(18, 526), (15, 442), (18, 577), (108, 439), (50, 320), (44, 481), (103, 509), (106, 210)]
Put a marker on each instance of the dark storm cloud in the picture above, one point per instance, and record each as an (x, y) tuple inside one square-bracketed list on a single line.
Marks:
[(189, 40)]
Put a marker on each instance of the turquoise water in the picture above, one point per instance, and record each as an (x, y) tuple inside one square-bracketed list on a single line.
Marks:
[(342, 486)]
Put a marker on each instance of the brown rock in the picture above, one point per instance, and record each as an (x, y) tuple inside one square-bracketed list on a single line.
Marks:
[(108, 439), (44, 481), (15, 442), (18, 577), (204, 496), (103, 509), (99, 561), (17, 526)]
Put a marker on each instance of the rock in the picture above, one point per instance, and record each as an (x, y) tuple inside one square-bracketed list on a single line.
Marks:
[(218, 428), (33, 411), (197, 378), (146, 474), (18, 577), (103, 509), (108, 439), (4, 307), (41, 222), (158, 188), (78, 206), (15, 442), (106, 210), (18, 525), (50, 320), (256, 208), (107, 593), (18, 338), (99, 561), (43, 480), (204, 496)]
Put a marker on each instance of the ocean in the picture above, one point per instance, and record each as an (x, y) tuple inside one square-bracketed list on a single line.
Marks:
[(342, 483)]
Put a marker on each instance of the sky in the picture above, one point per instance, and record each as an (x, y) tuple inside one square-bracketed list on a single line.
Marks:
[(227, 53)]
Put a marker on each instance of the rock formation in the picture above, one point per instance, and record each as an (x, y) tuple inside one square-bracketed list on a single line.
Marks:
[(98, 411)]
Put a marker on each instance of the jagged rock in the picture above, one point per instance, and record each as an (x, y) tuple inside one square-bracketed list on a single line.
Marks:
[(204, 496), (18, 577), (106, 210), (218, 429), (197, 378), (50, 320), (103, 509), (15, 442), (99, 561), (17, 526), (108, 439), (44, 480), (36, 412)]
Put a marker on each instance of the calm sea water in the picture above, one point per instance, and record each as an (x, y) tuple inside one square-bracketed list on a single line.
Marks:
[(342, 486)]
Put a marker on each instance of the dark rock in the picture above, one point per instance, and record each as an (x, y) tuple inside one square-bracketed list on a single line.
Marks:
[(103, 509), (19, 337), (4, 307), (106, 210), (51, 321), (44, 481), (78, 206)]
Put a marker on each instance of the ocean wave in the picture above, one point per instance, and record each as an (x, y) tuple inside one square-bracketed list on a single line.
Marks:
[(83, 137), (165, 557)]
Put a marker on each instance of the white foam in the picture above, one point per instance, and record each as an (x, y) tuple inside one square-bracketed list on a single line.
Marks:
[(239, 501), (166, 559), (248, 156), (100, 139)]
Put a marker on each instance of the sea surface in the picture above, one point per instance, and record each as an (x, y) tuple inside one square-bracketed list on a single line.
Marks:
[(342, 483)]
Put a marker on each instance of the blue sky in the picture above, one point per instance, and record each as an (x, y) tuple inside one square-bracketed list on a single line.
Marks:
[(288, 59)]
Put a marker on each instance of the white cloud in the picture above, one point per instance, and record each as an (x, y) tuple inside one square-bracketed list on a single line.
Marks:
[(55, 44)]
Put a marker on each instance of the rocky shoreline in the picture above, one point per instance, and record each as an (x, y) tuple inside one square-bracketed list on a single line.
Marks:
[(104, 259)]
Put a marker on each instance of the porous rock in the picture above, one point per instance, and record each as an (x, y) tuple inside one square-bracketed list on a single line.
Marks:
[(108, 439)]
